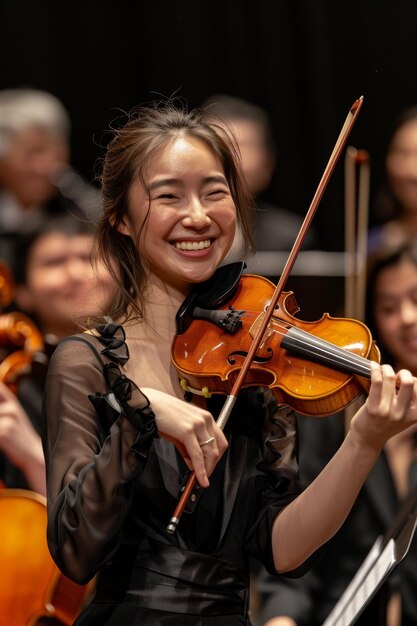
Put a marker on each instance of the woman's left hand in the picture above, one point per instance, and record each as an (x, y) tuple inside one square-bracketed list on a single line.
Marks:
[(391, 406)]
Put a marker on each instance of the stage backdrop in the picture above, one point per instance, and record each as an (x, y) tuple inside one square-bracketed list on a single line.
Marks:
[(305, 62)]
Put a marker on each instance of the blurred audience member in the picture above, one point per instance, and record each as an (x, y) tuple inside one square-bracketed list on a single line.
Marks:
[(276, 228), (55, 281), (36, 180), (392, 318), (396, 200), (57, 287)]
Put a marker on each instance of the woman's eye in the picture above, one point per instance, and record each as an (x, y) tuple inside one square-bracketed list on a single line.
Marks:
[(217, 192), (55, 262), (169, 196)]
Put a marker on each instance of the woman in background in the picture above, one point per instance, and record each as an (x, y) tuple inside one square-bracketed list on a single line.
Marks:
[(392, 317)]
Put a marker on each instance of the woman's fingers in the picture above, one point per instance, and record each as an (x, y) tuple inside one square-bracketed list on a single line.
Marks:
[(192, 429), (404, 402), (198, 463), (392, 397), (204, 448), (383, 389)]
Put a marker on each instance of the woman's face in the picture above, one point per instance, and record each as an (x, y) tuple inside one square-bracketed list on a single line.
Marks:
[(61, 284), (396, 313), (401, 165), (186, 219)]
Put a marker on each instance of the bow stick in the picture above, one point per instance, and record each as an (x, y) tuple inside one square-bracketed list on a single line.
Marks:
[(232, 397)]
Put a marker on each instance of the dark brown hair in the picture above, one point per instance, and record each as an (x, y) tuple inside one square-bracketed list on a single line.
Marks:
[(147, 131)]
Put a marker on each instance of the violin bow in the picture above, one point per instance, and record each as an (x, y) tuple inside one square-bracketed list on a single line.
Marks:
[(256, 341)]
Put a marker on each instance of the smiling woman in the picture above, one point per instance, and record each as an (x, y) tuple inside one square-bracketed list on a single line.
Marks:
[(121, 434), (186, 213), (392, 303), (141, 172)]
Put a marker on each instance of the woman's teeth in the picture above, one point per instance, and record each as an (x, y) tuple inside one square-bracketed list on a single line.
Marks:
[(192, 245)]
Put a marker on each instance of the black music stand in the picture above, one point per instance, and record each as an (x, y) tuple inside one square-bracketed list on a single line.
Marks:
[(386, 553)]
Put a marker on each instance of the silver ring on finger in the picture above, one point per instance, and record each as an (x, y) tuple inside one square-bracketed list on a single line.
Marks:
[(204, 443)]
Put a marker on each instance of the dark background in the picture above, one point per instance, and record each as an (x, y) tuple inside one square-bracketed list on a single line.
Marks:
[(305, 62)]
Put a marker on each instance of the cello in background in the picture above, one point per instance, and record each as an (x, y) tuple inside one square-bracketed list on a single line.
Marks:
[(33, 591)]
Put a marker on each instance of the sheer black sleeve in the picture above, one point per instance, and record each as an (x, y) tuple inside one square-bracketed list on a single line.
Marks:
[(90, 465)]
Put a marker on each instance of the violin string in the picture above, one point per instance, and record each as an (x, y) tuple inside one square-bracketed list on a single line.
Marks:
[(321, 347), (328, 349), (330, 354)]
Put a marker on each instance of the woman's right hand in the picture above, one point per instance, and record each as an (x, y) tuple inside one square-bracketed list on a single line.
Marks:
[(188, 427)]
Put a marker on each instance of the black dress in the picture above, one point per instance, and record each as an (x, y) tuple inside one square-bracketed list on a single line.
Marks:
[(112, 489)]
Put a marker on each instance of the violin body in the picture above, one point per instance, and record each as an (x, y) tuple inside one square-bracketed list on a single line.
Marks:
[(208, 358), (31, 585)]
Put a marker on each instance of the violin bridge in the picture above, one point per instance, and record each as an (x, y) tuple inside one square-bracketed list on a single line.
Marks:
[(254, 329)]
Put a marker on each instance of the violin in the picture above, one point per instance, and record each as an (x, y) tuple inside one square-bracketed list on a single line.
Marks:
[(318, 368)]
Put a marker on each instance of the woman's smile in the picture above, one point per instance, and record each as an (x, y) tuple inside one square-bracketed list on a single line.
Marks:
[(186, 204), (192, 246)]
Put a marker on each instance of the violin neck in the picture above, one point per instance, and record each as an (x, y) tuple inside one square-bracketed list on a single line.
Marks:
[(319, 350)]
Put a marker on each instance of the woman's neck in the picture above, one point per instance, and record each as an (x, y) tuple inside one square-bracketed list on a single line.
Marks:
[(160, 305)]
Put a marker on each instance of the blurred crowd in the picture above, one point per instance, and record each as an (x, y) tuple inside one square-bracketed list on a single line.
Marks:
[(47, 218)]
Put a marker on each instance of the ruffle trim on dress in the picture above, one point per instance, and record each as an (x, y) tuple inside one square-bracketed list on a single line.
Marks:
[(124, 395), (113, 337)]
